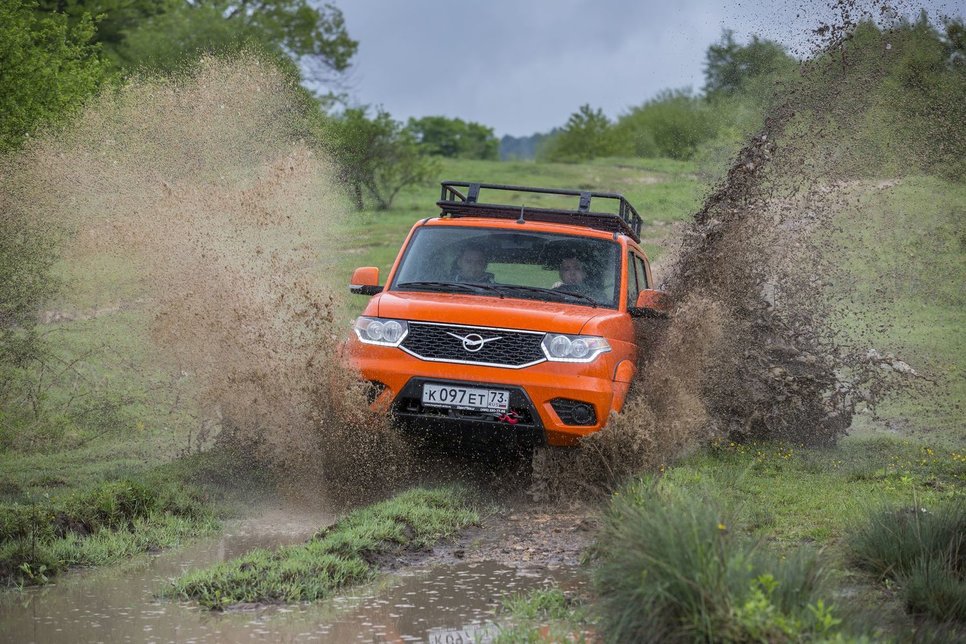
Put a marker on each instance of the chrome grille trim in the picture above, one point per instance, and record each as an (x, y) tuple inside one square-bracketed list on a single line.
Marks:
[(531, 354)]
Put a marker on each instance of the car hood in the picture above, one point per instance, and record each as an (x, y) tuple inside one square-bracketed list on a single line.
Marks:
[(471, 310)]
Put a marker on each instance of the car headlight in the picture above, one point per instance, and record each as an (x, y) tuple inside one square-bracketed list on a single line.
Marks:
[(388, 333), (573, 348)]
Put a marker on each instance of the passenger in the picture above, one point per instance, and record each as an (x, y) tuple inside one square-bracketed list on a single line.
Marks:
[(471, 265), (573, 276)]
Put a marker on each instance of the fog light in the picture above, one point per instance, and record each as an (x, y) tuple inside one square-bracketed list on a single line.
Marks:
[(583, 414)]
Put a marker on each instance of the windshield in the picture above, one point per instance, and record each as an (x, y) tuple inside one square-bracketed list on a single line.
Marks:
[(529, 265)]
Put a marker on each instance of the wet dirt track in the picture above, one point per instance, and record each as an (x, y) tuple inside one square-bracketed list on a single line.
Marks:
[(449, 594)]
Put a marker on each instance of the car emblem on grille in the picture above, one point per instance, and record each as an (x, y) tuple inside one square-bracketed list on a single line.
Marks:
[(474, 341)]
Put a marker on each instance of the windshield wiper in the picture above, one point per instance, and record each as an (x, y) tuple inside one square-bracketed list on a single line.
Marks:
[(549, 291), (461, 287)]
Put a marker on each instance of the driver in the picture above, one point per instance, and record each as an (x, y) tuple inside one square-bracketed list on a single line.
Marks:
[(470, 266), (573, 276)]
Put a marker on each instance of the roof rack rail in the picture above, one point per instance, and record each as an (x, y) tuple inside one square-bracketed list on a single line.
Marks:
[(455, 203)]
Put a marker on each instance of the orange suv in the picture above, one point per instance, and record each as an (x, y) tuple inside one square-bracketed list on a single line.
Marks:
[(506, 319)]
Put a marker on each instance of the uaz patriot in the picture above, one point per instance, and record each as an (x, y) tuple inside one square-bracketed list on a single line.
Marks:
[(503, 318)]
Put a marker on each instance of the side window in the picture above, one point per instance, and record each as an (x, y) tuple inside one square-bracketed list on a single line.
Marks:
[(632, 287), (641, 273)]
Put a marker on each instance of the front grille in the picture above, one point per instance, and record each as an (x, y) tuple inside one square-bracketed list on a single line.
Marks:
[(501, 348)]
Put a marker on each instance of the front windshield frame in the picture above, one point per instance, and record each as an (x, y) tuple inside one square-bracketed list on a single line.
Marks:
[(517, 291)]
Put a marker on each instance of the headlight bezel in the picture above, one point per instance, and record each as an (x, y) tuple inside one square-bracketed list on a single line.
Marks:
[(589, 347), (371, 330)]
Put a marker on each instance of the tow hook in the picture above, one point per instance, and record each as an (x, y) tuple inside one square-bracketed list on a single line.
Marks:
[(510, 417)]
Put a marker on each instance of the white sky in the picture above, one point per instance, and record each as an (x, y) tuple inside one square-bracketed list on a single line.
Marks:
[(524, 66)]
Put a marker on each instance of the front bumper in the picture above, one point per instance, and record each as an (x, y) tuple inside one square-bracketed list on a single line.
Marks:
[(532, 391)]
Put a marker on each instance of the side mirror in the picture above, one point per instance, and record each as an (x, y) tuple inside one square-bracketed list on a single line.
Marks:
[(651, 303), (365, 281)]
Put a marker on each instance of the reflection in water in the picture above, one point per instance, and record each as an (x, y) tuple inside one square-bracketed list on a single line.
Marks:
[(447, 604)]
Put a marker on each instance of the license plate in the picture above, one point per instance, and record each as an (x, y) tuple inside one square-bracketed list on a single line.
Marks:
[(467, 398)]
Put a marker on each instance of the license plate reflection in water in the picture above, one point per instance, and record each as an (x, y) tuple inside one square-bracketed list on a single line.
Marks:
[(469, 398)]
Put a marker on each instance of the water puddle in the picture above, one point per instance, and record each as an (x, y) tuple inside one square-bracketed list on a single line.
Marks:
[(438, 604)]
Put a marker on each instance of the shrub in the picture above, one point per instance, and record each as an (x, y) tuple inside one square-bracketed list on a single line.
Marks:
[(673, 125), (922, 551), (673, 568)]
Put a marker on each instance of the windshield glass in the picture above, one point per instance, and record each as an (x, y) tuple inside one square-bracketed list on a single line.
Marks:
[(529, 265)]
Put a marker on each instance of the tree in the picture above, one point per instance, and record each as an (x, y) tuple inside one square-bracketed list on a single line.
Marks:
[(588, 134), (377, 156), (48, 67), (730, 66), (163, 34), (454, 138), (954, 40), (113, 18)]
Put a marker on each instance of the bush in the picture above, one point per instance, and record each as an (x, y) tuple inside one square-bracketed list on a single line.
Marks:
[(924, 552), (674, 568), (673, 125)]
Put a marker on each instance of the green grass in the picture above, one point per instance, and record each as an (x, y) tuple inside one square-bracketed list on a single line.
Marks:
[(794, 495), (775, 500), (902, 251), (344, 554), (674, 566), (546, 615), (923, 550), (100, 524)]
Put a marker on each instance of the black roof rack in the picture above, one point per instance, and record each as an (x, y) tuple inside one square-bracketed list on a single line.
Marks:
[(457, 204)]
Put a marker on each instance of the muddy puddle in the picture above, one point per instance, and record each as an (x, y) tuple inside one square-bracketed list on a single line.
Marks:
[(429, 602)]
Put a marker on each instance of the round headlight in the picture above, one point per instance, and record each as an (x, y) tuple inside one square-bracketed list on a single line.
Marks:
[(559, 346), (374, 330), (579, 348), (392, 331)]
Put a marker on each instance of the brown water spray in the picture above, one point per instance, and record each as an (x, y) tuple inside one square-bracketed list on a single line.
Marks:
[(753, 350), (204, 188)]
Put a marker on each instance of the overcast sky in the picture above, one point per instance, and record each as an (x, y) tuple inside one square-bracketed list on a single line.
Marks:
[(523, 66)]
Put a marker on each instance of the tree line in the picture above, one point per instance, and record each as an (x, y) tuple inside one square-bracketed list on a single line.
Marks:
[(916, 77)]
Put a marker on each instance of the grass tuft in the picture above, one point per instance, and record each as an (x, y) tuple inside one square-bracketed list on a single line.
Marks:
[(674, 567), (341, 555), (923, 551)]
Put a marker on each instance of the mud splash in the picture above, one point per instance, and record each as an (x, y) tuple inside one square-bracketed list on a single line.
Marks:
[(755, 349), (207, 193)]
